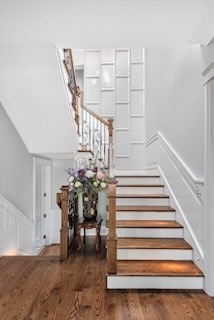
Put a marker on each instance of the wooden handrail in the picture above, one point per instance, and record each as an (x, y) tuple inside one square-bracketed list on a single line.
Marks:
[(112, 236), (95, 115)]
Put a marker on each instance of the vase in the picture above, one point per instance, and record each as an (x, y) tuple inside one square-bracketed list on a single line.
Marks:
[(90, 201)]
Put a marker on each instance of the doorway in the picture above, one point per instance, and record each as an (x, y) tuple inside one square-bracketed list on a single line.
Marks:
[(42, 196)]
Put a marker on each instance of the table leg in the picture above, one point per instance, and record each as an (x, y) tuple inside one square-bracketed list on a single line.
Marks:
[(98, 238), (78, 238)]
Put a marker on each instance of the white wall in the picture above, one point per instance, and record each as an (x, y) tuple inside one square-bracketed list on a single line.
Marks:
[(175, 102), (16, 167), (16, 191), (34, 96), (114, 88)]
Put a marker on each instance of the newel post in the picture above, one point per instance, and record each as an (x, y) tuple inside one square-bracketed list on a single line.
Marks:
[(112, 237), (64, 231), (111, 156)]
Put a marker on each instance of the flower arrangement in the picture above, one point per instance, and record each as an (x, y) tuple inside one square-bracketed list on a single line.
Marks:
[(89, 176)]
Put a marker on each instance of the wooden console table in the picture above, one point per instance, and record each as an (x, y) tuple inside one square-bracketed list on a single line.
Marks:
[(87, 224)]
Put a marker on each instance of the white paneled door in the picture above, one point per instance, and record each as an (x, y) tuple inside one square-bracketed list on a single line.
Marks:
[(41, 202)]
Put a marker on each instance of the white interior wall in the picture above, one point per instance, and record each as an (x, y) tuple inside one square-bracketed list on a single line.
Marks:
[(16, 167), (175, 102), (114, 88)]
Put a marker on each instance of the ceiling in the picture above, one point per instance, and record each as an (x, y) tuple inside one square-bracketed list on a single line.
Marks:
[(112, 23)]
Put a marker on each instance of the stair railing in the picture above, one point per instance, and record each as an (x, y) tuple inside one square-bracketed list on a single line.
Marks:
[(95, 133), (96, 137)]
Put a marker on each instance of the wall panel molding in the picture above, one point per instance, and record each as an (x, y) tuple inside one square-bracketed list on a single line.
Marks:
[(16, 230)]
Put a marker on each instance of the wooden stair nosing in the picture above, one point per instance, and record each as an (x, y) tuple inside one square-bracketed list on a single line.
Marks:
[(149, 196), (153, 243), (169, 268), (145, 208), (164, 224), (140, 185), (137, 176)]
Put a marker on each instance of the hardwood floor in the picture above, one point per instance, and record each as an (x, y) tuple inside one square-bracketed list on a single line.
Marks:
[(42, 287)]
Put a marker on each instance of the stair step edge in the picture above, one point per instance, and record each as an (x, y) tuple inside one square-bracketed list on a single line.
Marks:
[(145, 208), (150, 196), (151, 243)]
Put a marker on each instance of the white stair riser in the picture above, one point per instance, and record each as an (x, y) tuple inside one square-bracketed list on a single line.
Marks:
[(140, 190), (142, 201), (149, 232), (155, 282), (145, 215), (138, 180), (154, 254)]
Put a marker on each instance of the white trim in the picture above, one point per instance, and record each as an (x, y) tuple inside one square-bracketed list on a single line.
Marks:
[(16, 213), (193, 182), (208, 73), (183, 215)]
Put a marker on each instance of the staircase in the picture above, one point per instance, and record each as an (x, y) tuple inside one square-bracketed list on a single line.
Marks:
[(151, 250)]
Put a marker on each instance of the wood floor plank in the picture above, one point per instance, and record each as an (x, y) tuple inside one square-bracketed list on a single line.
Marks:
[(75, 290)]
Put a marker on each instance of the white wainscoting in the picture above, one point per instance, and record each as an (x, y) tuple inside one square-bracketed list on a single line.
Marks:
[(185, 190), (16, 230)]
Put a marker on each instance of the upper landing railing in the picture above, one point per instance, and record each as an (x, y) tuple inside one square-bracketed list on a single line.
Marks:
[(95, 133)]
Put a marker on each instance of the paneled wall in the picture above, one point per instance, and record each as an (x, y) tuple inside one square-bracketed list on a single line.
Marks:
[(16, 230), (114, 87)]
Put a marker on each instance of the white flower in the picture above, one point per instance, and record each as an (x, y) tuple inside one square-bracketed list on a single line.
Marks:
[(77, 184), (70, 179), (103, 185), (95, 183), (89, 174)]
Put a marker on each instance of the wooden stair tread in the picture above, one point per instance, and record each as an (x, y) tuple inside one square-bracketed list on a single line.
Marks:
[(152, 243), (145, 208), (139, 185), (151, 196), (147, 224), (137, 176), (167, 268), (28, 258)]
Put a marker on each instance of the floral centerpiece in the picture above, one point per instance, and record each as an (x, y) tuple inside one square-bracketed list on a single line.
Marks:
[(88, 177)]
